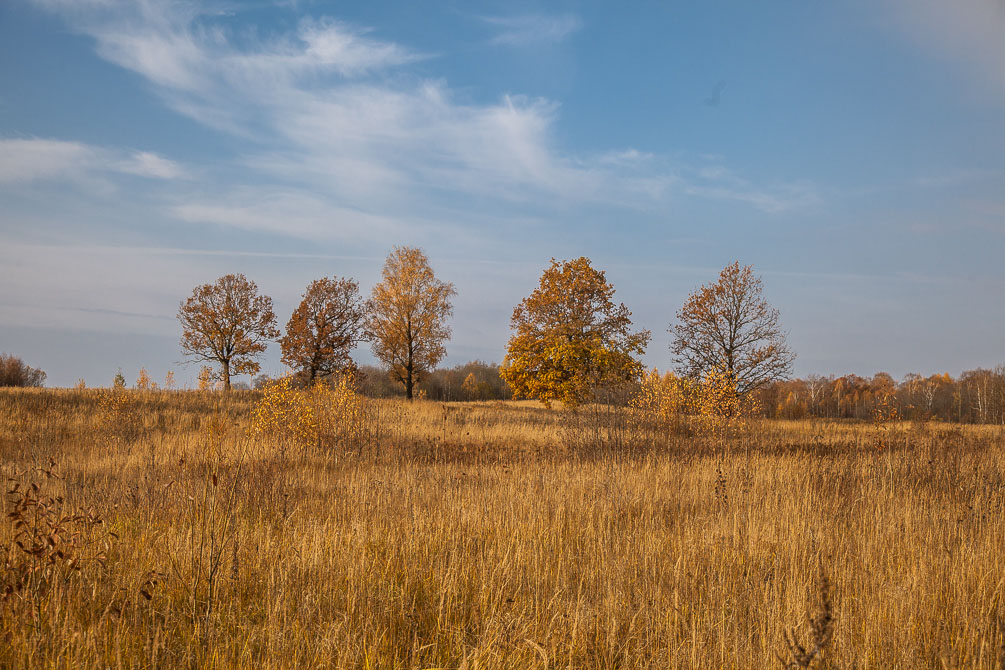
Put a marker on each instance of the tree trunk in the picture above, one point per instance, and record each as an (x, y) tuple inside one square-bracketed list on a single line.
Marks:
[(226, 375), (410, 365)]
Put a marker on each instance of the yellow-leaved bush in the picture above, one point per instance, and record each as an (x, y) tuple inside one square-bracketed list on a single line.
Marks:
[(711, 405), (661, 401), (718, 404), (119, 416), (328, 416)]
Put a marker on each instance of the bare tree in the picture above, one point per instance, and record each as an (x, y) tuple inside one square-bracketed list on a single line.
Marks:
[(728, 326), (227, 323)]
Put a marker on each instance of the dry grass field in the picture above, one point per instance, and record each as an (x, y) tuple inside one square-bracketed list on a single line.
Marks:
[(161, 532)]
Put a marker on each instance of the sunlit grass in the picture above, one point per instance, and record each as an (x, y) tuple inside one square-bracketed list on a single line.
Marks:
[(501, 535)]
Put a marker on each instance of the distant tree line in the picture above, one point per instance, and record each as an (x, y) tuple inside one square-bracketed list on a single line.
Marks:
[(976, 396), (471, 381), (475, 380)]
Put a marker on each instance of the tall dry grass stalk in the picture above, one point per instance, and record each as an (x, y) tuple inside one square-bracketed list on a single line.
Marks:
[(488, 535)]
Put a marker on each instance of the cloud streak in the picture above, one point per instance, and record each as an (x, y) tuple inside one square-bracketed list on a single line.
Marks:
[(291, 212), (25, 160), (532, 29)]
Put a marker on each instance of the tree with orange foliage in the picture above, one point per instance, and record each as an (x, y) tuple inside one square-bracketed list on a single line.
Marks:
[(570, 338), (227, 323), (324, 329), (727, 326), (408, 311)]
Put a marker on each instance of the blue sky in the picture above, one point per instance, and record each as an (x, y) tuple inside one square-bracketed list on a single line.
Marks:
[(853, 152)]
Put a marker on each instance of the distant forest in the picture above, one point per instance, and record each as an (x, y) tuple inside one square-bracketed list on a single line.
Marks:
[(976, 396)]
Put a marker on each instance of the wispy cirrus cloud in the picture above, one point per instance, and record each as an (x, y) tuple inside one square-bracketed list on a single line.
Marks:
[(719, 182), (25, 160), (333, 109), (293, 212), (532, 29)]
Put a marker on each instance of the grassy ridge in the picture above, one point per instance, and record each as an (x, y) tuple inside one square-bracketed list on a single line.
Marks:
[(501, 535)]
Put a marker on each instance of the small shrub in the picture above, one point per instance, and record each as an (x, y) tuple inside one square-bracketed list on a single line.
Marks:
[(15, 372), (884, 416), (719, 408), (119, 418), (660, 403), (206, 378), (712, 406), (327, 417), (50, 543)]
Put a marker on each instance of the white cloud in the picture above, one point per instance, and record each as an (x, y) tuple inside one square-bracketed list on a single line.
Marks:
[(290, 212), (37, 159), (147, 164), (176, 49), (330, 43), (326, 107), (532, 29), (716, 181), (784, 200), (23, 160)]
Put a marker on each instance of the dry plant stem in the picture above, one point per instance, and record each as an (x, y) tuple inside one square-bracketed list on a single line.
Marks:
[(821, 631), (211, 528)]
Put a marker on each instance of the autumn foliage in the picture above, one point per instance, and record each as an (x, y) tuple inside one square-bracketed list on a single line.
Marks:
[(227, 323), (324, 329), (570, 338), (408, 311), (326, 417), (711, 405), (976, 396)]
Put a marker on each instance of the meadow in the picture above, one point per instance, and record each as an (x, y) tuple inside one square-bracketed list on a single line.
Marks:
[(158, 530)]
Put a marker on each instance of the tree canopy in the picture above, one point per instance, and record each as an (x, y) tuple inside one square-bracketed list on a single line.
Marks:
[(570, 339), (727, 326), (227, 323), (408, 311), (324, 329)]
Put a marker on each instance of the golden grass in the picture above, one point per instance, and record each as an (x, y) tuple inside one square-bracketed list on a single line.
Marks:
[(502, 535)]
